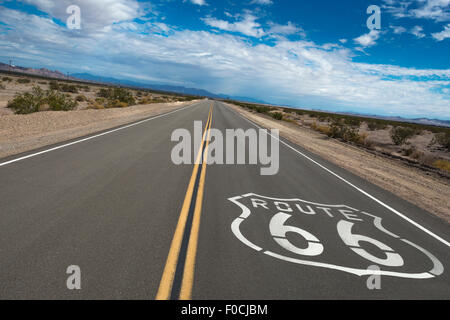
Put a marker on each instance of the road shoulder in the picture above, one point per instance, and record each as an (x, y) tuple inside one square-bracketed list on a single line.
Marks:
[(424, 190), (21, 133)]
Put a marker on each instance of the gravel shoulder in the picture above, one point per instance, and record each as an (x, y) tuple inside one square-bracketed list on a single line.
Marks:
[(423, 189), (21, 133)]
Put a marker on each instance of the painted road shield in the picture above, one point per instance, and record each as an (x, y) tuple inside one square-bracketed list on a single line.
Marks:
[(337, 237)]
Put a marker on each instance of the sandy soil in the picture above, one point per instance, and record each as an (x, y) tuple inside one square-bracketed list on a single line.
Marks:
[(426, 191), (20, 133)]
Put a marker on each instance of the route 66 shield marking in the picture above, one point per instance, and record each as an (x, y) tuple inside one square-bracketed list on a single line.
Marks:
[(329, 236)]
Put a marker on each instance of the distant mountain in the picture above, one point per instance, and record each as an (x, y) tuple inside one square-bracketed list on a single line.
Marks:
[(154, 86), (43, 72), (424, 121)]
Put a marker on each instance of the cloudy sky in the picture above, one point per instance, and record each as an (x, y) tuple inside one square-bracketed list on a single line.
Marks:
[(311, 54)]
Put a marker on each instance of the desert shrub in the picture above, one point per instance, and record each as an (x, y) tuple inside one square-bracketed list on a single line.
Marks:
[(42, 82), (346, 133), (321, 129), (442, 164), (417, 154), (376, 125), (277, 115), (6, 79), (103, 93), (116, 104), (28, 102), (2, 87), (59, 102), (23, 81), (442, 139), (81, 98), (408, 152), (121, 94), (96, 105), (400, 135), (427, 159), (65, 87)]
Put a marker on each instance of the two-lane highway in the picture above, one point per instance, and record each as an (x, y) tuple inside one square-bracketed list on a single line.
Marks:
[(139, 226)]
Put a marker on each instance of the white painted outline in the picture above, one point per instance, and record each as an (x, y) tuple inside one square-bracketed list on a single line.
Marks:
[(401, 215), (92, 137), (437, 269)]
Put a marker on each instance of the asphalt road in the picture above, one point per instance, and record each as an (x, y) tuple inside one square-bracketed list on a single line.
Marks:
[(140, 227)]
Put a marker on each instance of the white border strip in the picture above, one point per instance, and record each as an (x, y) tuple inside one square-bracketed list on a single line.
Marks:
[(91, 137), (350, 184)]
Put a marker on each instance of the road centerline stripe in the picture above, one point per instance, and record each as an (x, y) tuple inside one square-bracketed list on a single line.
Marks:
[(189, 265), (171, 266)]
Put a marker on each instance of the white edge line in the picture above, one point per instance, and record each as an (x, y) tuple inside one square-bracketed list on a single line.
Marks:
[(350, 184), (91, 137)]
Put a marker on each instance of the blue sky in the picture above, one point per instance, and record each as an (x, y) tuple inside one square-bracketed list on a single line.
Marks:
[(310, 54)]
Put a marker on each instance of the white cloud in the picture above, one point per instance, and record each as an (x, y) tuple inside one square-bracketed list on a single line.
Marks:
[(287, 29), (398, 29), (437, 10), (199, 2), (95, 15), (343, 41), (262, 2), (247, 26), (417, 31), (368, 39), (444, 34), (292, 72)]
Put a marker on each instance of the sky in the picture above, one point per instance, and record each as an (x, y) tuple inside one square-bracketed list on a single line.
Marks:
[(309, 54)]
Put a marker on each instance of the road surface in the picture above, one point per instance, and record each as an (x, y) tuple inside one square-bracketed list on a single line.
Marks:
[(140, 227)]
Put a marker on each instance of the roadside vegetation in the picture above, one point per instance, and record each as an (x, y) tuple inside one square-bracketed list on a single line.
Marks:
[(45, 94), (426, 145), (40, 100)]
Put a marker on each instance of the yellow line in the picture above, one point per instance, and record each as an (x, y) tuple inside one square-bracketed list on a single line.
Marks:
[(165, 286), (189, 265)]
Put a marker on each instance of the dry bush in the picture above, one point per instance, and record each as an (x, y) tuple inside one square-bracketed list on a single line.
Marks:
[(442, 139), (28, 102), (23, 81), (442, 165), (116, 104), (320, 128), (400, 135), (276, 115), (81, 98)]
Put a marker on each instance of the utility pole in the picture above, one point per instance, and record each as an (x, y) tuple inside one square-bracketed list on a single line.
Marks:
[(10, 65)]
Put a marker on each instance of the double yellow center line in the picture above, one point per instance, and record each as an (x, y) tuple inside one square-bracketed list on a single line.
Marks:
[(178, 275)]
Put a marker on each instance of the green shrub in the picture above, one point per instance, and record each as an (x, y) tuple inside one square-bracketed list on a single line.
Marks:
[(53, 85), (277, 115), (80, 98), (120, 94), (346, 133), (116, 104), (23, 80), (28, 102), (59, 102), (376, 125), (400, 135), (442, 139)]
